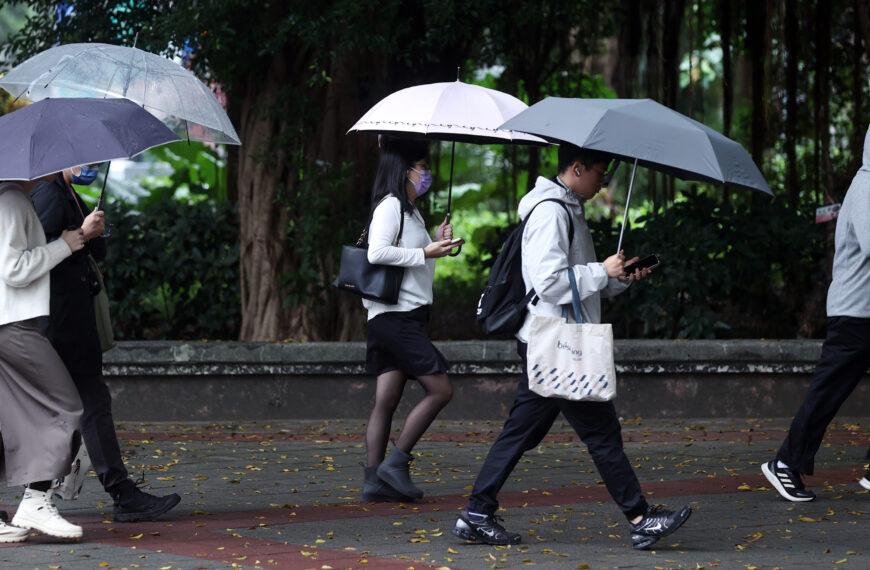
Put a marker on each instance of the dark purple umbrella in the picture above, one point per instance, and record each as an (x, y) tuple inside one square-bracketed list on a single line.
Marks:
[(56, 134)]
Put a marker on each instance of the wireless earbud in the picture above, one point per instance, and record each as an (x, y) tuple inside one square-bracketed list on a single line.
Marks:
[(577, 171)]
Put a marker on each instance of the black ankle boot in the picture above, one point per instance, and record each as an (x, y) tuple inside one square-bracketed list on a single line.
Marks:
[(375, 489), (132, 504), (394, 470)]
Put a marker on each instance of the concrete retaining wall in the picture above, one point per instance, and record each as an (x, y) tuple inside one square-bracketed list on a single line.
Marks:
[(222, 381)]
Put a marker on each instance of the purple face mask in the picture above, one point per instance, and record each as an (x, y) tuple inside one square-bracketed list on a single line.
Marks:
[(425, 181)]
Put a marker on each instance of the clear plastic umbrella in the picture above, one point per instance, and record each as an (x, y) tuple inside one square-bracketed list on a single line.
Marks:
[(165, 89)]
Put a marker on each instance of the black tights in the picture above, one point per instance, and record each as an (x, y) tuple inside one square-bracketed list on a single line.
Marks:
[(389, 392)]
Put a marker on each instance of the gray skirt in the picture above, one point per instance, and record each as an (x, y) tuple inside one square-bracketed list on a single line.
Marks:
[(40, 408)]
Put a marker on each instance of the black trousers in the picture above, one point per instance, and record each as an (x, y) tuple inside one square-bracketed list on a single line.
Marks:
[(844, 361), (530, 419), (98, 430)]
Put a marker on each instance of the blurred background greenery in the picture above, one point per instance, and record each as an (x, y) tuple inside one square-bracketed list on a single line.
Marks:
[(789, 81)]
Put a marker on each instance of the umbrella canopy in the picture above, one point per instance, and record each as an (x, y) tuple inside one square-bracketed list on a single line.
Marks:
[(56, 134), (167, 90), (450, 111), (644, 131)]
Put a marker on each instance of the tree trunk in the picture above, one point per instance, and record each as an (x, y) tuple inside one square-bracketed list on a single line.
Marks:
[(756, 20), (630, 36), (791, 108), (727, 72), (262, 228), (823, 103)]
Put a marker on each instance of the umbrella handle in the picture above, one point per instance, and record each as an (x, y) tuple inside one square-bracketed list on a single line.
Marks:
[(99, 205)]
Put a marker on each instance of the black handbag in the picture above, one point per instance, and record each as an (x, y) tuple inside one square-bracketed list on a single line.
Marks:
[(375, 282)]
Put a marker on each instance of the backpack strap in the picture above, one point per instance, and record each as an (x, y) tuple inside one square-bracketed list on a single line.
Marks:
[(564, 207), (531, 297)]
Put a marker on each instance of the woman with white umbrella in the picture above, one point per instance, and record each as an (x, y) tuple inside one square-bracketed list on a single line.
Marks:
[(398, 347), (40, 409)]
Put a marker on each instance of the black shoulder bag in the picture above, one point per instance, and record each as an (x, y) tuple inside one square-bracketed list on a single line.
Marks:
[(375, 282)]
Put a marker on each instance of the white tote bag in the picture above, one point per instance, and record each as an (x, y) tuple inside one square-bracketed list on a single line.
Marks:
[(69, 486), (569, 360)]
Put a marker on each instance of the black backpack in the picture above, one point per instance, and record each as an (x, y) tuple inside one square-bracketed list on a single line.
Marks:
[(502, 305)]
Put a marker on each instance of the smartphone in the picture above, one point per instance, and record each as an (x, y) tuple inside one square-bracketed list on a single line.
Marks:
[(457, 241), (648, 262)]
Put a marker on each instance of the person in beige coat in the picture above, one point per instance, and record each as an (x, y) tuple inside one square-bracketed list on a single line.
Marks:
[(40, 409)]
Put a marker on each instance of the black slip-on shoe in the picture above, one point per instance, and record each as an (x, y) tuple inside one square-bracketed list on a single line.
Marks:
[(655, 524), (488, 531), (787, 482), (865, 482), (135, 505)]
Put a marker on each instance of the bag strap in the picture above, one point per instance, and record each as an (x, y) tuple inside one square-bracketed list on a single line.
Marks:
[(363, 238), (575, 297)]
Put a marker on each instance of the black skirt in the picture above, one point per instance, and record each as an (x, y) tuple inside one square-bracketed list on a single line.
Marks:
[(397, 341)]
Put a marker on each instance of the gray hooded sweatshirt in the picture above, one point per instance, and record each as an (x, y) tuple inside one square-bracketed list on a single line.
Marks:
[(547, 257), (849, 294)]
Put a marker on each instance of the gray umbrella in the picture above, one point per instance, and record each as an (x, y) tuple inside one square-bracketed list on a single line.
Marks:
[(56, 134), (645, 133)]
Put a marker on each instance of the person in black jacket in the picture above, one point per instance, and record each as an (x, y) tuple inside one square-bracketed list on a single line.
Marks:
[(72, 329)]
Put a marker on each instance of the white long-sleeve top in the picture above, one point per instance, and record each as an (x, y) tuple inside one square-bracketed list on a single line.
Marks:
[(416, 289), (25, 258), (547, 257)]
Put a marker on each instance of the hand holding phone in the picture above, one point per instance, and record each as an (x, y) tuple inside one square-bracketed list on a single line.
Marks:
[(649, 262), (456, 241)]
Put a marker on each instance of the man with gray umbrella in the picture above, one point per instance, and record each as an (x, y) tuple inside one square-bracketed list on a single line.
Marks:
[(548, 256), (71, 327)]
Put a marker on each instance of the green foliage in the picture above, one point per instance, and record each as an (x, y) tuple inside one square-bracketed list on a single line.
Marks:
[(726, 271), (172, 270)]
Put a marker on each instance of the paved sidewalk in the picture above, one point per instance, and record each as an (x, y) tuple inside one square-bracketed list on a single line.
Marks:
[(286, 495)]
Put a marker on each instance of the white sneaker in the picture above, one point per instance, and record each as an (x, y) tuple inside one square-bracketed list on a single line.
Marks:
[(37, 511), (9, 533)]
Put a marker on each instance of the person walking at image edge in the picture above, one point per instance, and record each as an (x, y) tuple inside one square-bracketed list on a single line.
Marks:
[(40, 410), (846, 351), (71, 327), (398, 347), (547, 257)]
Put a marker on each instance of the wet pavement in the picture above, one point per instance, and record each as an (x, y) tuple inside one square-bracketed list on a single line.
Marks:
[(287, 495)]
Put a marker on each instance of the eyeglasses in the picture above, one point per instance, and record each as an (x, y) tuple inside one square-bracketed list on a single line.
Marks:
[(607, 174), (420, 165)]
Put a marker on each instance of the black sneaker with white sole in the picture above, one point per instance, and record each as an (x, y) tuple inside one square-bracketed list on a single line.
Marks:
[(655, 524), (488, 531), (788, 482), (865, 482)]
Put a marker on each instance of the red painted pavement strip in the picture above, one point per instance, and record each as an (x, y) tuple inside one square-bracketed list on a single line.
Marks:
[(202, 535), (834, 437)]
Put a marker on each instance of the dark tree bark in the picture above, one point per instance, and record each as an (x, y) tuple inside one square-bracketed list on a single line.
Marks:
[(630, 37), (791, 107), (823, 96), (725, 27), (756, 20)]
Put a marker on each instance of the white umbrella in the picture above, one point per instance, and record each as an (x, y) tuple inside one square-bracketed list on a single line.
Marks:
[(451, 111), (165, 89)]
